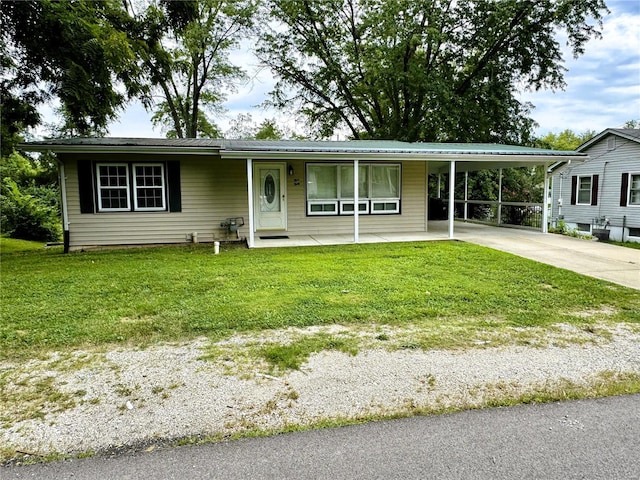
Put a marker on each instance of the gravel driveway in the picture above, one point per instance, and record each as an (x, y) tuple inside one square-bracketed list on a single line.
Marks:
[(141, 396)]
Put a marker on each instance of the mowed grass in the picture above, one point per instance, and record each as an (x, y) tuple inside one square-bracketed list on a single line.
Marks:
[(54, 301)]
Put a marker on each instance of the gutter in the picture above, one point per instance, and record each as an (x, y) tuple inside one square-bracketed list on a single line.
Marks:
[(394, 155), (155, 149)]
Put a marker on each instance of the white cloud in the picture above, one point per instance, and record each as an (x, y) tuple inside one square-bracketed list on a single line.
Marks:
[(603, 85)]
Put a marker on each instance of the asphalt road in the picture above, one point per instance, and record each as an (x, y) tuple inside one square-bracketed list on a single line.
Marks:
[(590, 439)]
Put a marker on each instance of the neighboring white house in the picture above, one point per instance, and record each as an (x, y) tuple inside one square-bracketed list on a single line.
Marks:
[(603, 192)]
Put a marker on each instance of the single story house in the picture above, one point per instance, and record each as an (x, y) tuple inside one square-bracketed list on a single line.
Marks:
[(604, 192), (121, 191)]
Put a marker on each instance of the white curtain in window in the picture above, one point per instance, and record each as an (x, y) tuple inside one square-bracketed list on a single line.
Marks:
[(346, 181), (385, 181), (322, 182)]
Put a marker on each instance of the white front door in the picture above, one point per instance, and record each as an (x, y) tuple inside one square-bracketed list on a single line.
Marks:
[(269, 189)]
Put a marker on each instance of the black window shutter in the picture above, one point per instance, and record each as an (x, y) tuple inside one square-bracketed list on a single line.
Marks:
[(173, 181), (594, 190), (623, 189), (574, 189), (85, 187)]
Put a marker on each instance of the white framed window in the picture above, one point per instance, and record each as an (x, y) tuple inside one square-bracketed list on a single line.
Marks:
[(330, 189), (113, 187), (634, 189), (584, 191), (149, 187), (125, 187), (346, 207), (322, 207), (385, 206)]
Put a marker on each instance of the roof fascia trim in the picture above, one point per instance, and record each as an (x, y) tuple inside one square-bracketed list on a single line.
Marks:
[(419, 157), (154, 149)]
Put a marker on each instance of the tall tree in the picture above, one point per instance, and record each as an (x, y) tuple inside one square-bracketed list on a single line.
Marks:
[(565, 140), (429, 70), (186, 58), (67, 50)]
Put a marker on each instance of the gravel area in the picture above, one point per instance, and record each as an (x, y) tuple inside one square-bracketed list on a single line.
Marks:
[(138, 396)]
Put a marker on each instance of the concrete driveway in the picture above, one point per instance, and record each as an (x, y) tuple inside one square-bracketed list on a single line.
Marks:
[(616, 264)]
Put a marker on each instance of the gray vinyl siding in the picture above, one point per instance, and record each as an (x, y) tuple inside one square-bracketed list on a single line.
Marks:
[(609, 165)]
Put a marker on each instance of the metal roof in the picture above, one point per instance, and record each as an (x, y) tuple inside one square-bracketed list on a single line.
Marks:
[(204, 145)]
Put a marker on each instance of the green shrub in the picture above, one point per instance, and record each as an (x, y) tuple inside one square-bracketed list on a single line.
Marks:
[(26, 216)]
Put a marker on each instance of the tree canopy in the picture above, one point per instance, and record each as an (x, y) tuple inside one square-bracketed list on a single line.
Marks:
[(68, 50), (186, 59), (565, 140), (426, 70)]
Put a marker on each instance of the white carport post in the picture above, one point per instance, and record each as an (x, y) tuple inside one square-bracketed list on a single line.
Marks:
[(545, 197), (250, 200), (356, 206), (452, 188)]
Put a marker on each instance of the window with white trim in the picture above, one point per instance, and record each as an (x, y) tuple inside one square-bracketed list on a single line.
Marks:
[(634, 189), (330, 189), (113, 187), (148, 187), (584, 191), (118, 183)]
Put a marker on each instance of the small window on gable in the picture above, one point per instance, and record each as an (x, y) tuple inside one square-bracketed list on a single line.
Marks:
[(611, 143), (584, 191)]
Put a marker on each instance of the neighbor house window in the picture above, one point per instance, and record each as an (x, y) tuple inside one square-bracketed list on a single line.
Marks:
[(113, 187), (330, 189), (118, 183), (634, 189), (584, 227), (584, 190), (148, 181)]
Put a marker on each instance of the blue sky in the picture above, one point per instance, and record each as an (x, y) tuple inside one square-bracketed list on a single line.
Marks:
[(603, 86)]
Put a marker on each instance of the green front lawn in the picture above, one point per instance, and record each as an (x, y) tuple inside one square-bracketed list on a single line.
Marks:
[(136, 296)]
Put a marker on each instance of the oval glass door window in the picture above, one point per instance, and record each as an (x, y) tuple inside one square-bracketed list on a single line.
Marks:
[(269, 188)]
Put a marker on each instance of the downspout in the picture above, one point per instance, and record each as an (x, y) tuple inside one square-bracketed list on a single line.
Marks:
[(65, 212), (560, 196), (250, 200)]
